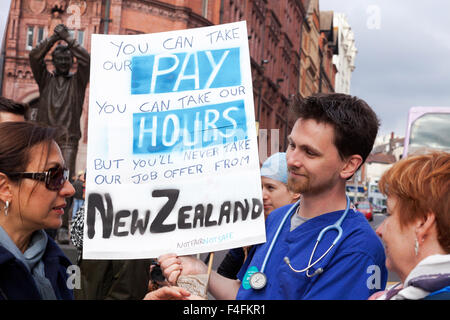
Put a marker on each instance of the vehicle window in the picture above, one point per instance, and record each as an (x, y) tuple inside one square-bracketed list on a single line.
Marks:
[(363, 206), (431, 131)]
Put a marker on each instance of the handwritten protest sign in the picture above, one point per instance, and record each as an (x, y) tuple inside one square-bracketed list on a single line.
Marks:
[(172, 163)]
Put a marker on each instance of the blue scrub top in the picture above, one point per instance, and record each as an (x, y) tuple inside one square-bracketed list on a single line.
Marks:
[(353, 269)]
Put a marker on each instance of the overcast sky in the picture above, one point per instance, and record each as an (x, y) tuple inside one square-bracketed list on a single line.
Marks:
[(4, 9), (403, 55)]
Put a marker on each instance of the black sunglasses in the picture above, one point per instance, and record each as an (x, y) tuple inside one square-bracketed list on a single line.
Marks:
[(54, 178)]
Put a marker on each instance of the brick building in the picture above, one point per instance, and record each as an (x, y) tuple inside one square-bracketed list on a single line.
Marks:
[(290, 52), (275, 41), (327, 49), (318, 47), (345, 59)]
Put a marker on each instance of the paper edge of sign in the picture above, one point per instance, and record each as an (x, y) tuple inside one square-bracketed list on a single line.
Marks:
[(119, 255)]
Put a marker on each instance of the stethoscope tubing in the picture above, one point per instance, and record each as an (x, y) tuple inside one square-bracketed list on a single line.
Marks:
[(275, 237), (336, 226)]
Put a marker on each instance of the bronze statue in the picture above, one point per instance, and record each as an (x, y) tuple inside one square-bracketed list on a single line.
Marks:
[(61, 92)]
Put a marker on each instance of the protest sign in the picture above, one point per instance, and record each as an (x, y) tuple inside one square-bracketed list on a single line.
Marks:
[(172, 161)]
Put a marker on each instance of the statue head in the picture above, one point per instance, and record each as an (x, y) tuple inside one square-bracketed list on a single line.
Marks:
[(62, 59)]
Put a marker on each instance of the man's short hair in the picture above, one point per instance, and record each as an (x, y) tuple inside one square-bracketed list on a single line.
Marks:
[(355, 123), (11, 106)]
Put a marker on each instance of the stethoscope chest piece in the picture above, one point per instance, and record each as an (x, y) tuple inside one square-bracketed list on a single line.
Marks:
[(258, 280)]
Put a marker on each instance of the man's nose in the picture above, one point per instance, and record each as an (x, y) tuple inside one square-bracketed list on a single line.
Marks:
[(293, 159)]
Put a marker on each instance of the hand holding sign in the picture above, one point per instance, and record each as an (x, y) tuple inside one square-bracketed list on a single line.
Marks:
[(173, 266)]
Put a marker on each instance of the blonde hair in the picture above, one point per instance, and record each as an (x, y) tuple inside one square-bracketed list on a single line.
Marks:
[(421, 185)]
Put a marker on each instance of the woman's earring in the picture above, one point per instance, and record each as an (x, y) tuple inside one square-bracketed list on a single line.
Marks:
[(6, 207), (416, 246)]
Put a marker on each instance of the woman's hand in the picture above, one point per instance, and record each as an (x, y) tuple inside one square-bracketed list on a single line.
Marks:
[(168, 293), (173, 266)]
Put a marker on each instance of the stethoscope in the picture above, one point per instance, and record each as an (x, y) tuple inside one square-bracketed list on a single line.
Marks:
[(258, 280)]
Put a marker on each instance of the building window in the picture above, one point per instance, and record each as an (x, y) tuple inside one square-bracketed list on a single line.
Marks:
[(205, 9), (30, 36), (40, 34), (77, 35), (31, 32), (80, 37)]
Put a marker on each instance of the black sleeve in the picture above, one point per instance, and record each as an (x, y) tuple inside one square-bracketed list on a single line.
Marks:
[(231, 264)]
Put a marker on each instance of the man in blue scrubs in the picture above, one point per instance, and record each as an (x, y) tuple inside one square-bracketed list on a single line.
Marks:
[(330, 140)]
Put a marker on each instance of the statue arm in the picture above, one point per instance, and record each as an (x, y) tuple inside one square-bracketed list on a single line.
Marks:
[(83, 59), (37, 55)]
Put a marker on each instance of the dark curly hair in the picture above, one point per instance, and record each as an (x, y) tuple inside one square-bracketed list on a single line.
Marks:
[(355, 123)]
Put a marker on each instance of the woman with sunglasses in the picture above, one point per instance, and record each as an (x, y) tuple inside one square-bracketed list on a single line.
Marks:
[(33, 190)]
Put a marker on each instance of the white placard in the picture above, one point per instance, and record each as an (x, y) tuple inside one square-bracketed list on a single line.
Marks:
[(172, 163)]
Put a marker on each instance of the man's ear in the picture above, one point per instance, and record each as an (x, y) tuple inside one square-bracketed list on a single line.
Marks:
[(351, 166), (5, 188)]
